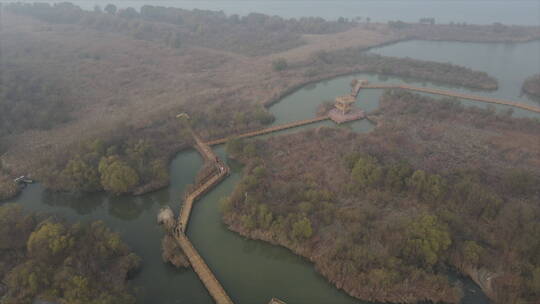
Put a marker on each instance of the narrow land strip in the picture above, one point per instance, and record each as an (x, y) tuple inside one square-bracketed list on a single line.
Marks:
[(451, 94)]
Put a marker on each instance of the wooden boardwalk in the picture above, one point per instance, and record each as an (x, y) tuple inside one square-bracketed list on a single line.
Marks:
[(204, 149), (270, 130), (449, 94), (356, 90), (202, 270), (198, 264), (222, 171), (183, 218)]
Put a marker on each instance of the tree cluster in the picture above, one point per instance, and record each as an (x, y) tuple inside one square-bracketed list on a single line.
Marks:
[(426, 20), (398, 24), (279, 64), (117, 167), (295, 223), (531, 85), (313, 222), (47, 259)]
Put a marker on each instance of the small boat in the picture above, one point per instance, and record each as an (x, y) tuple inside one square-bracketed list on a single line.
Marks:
[(23, 180)]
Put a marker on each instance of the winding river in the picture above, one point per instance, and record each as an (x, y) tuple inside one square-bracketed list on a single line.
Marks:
[(252, 271)]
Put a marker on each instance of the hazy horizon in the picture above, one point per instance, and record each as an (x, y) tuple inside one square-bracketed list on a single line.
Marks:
[(520, 12)]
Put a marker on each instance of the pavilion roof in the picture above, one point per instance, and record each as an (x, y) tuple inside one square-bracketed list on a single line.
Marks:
[(345, 99)]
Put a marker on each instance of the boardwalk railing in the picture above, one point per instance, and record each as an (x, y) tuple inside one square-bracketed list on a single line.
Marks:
[(450, 94), (183, 219), (197, 262), (269, 130), (222, 172)]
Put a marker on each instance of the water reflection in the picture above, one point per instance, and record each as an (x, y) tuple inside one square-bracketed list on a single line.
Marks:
[(127, 209), (82, 204), (273, 253)]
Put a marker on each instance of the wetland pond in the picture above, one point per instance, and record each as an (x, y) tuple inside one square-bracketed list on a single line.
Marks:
[(252, 271)]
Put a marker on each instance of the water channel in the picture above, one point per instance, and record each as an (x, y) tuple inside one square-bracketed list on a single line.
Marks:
[(251, 271)]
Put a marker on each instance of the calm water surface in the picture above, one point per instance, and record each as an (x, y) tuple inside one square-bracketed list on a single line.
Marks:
[(251, 271), (510, 63)]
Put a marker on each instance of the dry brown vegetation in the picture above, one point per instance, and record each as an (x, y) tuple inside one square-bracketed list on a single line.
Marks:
[(479, 138), (385, 215), (8, 188), (124, 77)]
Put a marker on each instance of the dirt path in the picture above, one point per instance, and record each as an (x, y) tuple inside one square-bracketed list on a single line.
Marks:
[(362, 36)]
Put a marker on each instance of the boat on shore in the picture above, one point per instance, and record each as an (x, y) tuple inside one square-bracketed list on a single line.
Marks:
[(23, 180)]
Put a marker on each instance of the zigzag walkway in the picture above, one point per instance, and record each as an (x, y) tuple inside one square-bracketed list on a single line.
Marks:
[(269, 130), (198, 264), (450, 94), (223, 171), (183, 218)]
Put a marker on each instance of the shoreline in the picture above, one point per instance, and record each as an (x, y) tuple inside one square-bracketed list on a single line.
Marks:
[(262, 237)]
